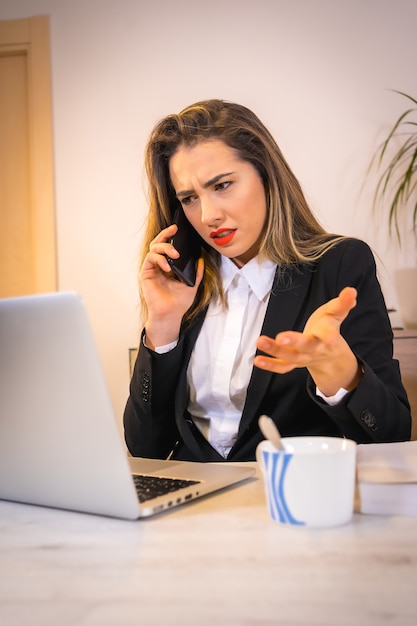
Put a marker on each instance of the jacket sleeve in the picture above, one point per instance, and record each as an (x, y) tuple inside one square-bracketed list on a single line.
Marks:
[(149, 418), (378, 409)]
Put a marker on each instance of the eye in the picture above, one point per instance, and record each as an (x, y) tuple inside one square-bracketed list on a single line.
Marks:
[(187, 200), (222, 186)]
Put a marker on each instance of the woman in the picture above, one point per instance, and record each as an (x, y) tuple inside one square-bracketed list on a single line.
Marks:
[(284, 319)]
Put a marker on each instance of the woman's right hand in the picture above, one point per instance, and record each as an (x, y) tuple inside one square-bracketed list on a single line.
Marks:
[(167, 298)]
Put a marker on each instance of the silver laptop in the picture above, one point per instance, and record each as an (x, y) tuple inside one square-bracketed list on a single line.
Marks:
[(60, 445)]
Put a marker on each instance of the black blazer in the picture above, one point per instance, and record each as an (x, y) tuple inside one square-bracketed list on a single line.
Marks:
[(155, 417)]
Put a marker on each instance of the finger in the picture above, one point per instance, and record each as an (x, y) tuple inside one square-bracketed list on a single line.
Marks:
[(277, 366), (153, 261), (164, 249), (161, 243), (348, 297), (290, 346), (336, 311), (165, 234), (325, 322), (340, 306)]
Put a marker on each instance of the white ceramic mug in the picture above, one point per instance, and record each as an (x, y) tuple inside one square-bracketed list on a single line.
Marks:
[(311, 482)]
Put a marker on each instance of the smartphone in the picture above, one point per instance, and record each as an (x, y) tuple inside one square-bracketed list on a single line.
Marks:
[(188, 243)]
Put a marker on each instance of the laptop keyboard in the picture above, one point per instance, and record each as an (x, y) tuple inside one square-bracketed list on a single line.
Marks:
[(149, 487)]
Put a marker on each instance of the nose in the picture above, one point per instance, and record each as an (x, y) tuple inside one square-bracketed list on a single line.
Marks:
[(211, 213)]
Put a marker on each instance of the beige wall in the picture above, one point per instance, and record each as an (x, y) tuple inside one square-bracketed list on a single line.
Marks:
[(316, 71)]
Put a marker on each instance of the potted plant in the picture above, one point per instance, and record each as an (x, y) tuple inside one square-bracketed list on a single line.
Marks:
[(395, 162)]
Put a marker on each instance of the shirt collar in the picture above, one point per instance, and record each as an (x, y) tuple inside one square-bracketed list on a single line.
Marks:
[(259, 274)]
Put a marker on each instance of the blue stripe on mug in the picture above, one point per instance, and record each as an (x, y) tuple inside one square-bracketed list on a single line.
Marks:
[(276, 466)]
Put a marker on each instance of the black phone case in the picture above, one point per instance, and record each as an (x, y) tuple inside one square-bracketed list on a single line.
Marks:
[(188, 243)]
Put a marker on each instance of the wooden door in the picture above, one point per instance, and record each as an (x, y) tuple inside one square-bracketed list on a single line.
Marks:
[(27, 219)]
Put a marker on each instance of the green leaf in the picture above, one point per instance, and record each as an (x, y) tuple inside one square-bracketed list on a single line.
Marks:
[(395, 160)]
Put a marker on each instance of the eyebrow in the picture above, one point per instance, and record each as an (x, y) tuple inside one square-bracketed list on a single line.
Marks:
[(209, 183)]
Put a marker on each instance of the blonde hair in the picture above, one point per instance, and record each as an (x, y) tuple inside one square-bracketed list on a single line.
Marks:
[(292, 234)]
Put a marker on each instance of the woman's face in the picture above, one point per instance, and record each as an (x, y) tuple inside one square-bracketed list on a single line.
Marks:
[(222, 196)]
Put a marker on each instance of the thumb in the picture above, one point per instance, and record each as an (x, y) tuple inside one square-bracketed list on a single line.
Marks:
[(335, 312), (347, 300)]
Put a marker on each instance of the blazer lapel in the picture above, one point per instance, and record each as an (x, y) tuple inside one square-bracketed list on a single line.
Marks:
[(284, 312)]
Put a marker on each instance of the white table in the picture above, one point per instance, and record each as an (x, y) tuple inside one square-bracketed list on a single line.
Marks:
[(219, 561)]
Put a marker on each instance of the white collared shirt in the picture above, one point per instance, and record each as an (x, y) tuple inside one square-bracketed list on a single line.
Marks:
[(222, 360)]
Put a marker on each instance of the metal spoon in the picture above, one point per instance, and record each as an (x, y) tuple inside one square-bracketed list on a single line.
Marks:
[(270, 431)]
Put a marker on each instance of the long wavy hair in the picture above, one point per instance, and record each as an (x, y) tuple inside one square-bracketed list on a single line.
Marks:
[(292, 235)]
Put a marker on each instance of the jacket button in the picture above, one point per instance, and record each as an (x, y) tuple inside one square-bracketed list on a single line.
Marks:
[(369, 419), (146, 387)]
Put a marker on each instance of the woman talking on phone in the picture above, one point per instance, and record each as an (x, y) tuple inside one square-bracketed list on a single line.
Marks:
[(283, 318)]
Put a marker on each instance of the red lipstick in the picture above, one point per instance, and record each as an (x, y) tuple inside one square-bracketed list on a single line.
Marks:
[(222, 236)]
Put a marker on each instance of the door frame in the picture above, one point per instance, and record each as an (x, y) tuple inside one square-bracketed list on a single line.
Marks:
[(31, 37)]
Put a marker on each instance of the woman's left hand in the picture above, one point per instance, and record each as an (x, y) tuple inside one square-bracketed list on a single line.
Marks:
[(320, 347)]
